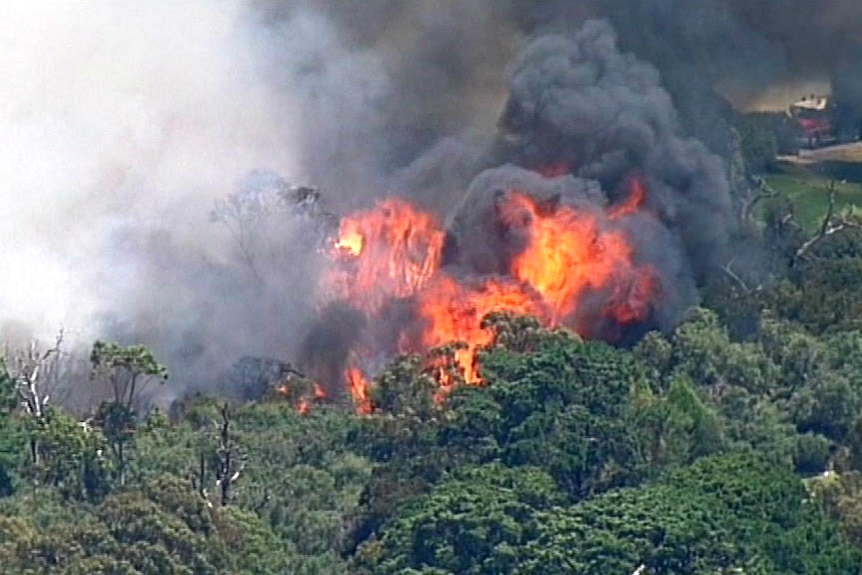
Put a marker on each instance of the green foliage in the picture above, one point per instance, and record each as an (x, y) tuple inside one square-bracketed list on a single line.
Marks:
[(71, 457), (676, 427), (819, 378), (522, 334), (720, 514), (572, 457), (128, 370), (12, 439), (759, 135), (406, 388), (740, 383), (561, 408), (301, 478), (822, 296), (472, 524), (717, 515), (163, 528), (841, 496)]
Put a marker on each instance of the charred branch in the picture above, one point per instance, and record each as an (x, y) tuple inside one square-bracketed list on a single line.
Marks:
[(231, 464), (764, 192), (199, 477), (728, 270), (33, 370), (831, 224)]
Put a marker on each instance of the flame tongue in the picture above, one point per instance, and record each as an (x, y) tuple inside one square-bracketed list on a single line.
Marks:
[(568, 253), (359, 390), (633, 204), (351, 241), (390, 251), (453, 312)]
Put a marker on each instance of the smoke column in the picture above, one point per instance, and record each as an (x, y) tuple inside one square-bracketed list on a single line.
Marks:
[(121, 125)]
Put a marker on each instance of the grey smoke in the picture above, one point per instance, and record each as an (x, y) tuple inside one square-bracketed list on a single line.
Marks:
[(574, 98), (579, 99), (125, 125)]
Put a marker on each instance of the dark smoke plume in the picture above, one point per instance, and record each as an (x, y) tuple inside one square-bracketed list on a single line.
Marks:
[(580, 100), (702, 48), (741, 47), (577, 99)]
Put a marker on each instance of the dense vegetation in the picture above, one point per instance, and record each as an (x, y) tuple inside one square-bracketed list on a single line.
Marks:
[(731, 445)]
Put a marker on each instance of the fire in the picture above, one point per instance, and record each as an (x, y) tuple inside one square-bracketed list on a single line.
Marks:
[(389, 251), (303, 403), (635, 201), (352, 242), (359, 390), (632, 296), (570, 255), (453, 312)]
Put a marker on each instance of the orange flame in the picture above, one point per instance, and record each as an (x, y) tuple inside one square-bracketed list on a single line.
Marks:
[(453, 312), (568, 254), (635, 201), (395, 251), (303, 403), (318, 392), (392, 250), (359, 390)]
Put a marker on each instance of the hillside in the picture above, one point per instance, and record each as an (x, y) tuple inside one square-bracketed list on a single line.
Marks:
[(430, 288)]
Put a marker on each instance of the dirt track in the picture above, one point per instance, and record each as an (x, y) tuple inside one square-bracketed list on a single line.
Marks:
[(842, 153)]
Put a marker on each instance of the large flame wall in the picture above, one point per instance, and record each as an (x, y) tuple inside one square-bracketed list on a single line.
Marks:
[(570, 267)]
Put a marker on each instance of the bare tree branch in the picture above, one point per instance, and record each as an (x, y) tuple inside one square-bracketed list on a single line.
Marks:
[(727, 269), (230, 459), (33, 371), (746, 289), (32, 368), (831, 224), (765, 191)]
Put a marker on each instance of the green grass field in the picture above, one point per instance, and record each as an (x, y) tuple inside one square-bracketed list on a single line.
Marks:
[(807, 187)]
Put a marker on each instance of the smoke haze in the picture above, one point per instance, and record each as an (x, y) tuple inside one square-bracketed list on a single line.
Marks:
[(118, 118), (122, 125)]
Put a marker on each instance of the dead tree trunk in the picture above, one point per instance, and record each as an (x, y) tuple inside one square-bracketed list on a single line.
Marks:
[(31, 368), (230, 463)]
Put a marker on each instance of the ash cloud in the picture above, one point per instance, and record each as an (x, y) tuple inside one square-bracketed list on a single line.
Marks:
[(125, 125)]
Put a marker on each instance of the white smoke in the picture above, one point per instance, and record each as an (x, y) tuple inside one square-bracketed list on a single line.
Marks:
[(121, 115)]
